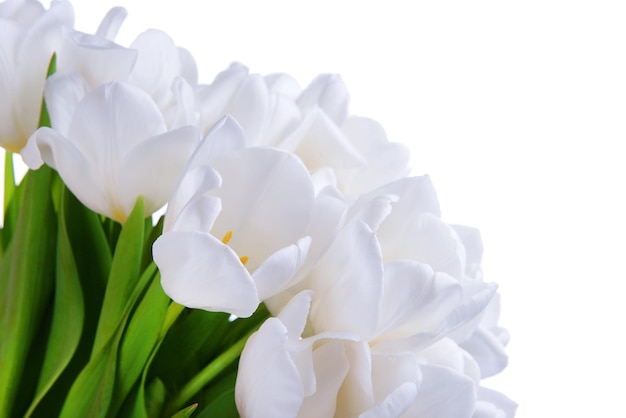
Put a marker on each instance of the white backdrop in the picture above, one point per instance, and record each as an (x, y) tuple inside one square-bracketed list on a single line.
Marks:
[(516, 110)]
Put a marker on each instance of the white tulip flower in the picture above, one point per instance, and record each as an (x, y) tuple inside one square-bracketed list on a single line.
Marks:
[(117, 148), (239, 225), (29, 35), (349, 152)]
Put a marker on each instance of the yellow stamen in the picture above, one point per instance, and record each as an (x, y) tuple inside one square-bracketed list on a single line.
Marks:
[(225, 241), (227, 237)]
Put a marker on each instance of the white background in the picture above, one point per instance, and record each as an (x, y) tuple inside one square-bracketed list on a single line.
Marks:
[(516, 110)]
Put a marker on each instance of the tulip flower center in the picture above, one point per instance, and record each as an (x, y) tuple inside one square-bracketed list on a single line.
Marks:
[(226, 239)]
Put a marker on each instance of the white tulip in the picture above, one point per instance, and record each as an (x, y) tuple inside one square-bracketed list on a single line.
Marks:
[(29, 35), (350, 152), (117, 148), (238, 227)]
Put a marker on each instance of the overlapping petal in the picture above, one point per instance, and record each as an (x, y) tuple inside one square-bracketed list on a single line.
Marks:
[(443, 393), (30, 35), (254, 203), (350, 278), (492, 404), (415, 299), (313, 124), (266, 355), (193, 269), (113, 151)]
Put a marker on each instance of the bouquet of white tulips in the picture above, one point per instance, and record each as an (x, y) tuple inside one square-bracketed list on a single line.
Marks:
[(297, 271)]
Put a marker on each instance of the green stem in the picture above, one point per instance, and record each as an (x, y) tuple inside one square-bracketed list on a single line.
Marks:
[(173, 311), (206, 375)]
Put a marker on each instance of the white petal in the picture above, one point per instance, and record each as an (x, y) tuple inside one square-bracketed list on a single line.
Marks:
[(198, 215), (97, 59), (415, 299), (31, 156), (294, 314), (182, 111), (373, 211), (9, 39), (443, 393), (63, 93), (76, 171), (327, 215), (250, 107), (36, 49), (447, 353), (395, 404), (319, 142), (386, 161), (350, 278), (467, 317), (112, 120), (331, 367), (322, 178), (216, 97), (391, 371), (501, 402), (366, 134), (329, 93), (267, 198), (198, 271), (110, 25), (472, 241), (283, 117), (416, 195), (492, 314), (459, 322), (24, 12), (225, 137), (158, 63), (326, 218), (188, 67), (488, 351), (268, 384), (357, 392), (154, 167), (276, 272), (424, 238), (192, 185), (284, 85), (487, 410)]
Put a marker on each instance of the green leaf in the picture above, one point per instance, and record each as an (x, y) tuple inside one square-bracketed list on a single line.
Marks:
[(212, 372), (91, 393), (92, 256), (67, 317), (141, 403), (44, 116), (218, 400), (93, 261), (185, 337), (144, 403), (155, 398), (187, 412), (29, 285), (125, 271), (152, 233), (12, 201), (223, 406), (140, 338), (9, 179)]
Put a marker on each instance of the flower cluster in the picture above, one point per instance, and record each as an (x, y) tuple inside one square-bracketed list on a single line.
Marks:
[(275, 195)]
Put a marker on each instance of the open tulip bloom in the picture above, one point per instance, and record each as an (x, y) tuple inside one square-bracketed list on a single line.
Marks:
[(298, 270)]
